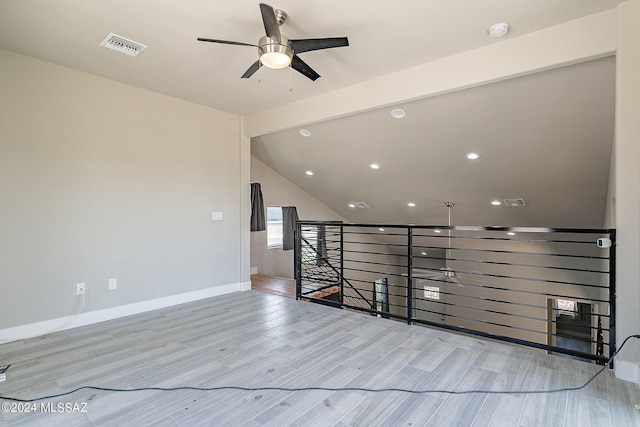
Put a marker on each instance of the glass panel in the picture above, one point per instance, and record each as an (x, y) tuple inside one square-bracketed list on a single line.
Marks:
[(274, 226)]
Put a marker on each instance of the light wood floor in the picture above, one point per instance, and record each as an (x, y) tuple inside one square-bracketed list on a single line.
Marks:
[(255, 339)]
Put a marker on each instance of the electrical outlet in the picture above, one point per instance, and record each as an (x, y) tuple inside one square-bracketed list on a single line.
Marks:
[(80, 289), (113, 284)]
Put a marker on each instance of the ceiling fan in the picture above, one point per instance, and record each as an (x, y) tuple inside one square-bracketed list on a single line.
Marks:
[(277, 51), (445, 274)]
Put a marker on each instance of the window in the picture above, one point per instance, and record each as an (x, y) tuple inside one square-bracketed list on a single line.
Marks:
[(274, 227), (432, 292), (567, 307), (381, 290)]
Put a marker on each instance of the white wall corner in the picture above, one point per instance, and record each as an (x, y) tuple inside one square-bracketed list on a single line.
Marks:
[(627, 371)]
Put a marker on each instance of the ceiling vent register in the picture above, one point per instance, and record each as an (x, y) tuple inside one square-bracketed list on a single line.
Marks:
[(122, 45), (360, 205), (513, 202)]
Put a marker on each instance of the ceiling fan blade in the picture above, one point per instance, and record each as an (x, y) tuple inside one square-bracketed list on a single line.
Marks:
[(456, 281), (200, 39), (251, 70), (434, 278), (416, 270), (306, 45), (300, 66), (271, 26)]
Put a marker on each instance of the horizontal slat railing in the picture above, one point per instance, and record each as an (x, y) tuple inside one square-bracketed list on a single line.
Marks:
[(552, 289)]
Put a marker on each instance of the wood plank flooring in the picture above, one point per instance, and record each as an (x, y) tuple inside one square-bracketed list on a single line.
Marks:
[(255, 339), (274, 285)]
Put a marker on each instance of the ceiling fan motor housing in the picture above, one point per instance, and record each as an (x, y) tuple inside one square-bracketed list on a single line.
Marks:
[(274, 54), (448, 272)]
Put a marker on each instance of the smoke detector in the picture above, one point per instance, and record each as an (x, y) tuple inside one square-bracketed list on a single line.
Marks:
[(498, 30), (122, 45), (513, 202)]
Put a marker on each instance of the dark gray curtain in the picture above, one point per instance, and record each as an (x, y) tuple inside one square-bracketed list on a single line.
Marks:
[(258, 222), (321, 250), (289, 218)]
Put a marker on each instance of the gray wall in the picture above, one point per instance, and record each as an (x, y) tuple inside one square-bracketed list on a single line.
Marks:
[(102, 180)]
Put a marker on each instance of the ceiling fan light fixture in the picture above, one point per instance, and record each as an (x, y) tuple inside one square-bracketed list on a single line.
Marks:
[(273, 54)]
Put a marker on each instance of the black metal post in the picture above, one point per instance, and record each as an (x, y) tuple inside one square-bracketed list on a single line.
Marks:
[(612, 295), (409, 275), (341, 264), (297, 257)]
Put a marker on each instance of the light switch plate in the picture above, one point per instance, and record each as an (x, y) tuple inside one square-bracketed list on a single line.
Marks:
[(216, 216)]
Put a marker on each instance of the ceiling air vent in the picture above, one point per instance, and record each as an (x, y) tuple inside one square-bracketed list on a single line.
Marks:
[(359, 205), (513, 202), (122, 45)]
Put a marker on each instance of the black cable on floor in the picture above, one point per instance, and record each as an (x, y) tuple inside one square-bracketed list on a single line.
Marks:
[(294, 389)]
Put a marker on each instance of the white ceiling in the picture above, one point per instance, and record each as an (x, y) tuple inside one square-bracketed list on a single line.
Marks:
[(550, 144)]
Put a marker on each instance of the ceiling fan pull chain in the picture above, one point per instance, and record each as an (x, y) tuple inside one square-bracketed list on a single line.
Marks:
[(290, 79)]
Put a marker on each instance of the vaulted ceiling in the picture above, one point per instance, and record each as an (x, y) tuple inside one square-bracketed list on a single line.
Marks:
[(546, 137)]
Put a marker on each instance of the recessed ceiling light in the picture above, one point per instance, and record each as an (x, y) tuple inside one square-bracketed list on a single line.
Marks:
[(423, 253), (310, 173), (437, 231), (374, 166), (398, 113), (472, 156), (351, 205), (381, 229), (411, 204), (511, 233), (498, 30), (305, 132), (496, 203)]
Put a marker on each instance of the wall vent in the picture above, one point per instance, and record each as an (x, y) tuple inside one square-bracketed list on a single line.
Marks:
[(513, 202), (122, 45)]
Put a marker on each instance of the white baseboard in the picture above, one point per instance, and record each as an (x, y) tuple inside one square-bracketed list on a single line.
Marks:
[(33, 330), (627, 371)]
